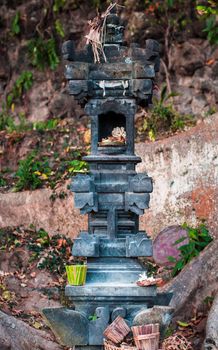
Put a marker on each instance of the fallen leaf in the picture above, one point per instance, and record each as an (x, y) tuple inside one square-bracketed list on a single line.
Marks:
[(87, 136), (210, 61), (183, 324), (37, 325), (61, 243), (7, 295), (44, 177)]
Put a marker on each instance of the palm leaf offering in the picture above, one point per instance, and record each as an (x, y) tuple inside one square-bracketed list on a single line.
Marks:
[(96, 34)]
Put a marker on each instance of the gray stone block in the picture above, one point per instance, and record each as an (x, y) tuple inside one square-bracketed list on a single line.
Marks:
[(77, 71), (138, 245), (143, 71), (141, 183), (82, 183), (136, 202), (87, 202), (97, 327), (70, 326), (152, 45), (86, 245), (142, 85), (118, 311)]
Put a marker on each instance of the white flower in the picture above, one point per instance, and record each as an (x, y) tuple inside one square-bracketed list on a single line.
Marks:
[(119, 132), (144, 277)]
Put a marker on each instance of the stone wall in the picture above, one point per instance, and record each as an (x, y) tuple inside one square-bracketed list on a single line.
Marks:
[(184, 168), (37, 208)]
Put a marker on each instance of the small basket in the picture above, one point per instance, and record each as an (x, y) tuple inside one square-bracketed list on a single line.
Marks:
[(117, 330), (76, 274), (146, 337)]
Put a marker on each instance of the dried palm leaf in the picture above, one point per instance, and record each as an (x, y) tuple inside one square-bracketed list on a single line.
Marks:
[(176, 342), (96, 35)]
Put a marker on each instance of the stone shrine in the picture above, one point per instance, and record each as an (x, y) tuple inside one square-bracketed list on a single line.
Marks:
[(112, 193)]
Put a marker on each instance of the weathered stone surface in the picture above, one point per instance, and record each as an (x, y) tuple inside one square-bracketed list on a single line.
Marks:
[(164, 244), (198, 280), (97, 327), (187, 57), (138, 245), (184, 170), (18, 335), (39, 99), (157, 314), (70, 326), (211, 340), (118, 311), (36, 207)]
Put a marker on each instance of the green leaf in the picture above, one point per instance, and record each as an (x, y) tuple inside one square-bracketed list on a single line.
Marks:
[(170, 3), (180, 240), (193, 233), (163, 94), (15, 25), (172, 259), (59, 28), (58, 4)]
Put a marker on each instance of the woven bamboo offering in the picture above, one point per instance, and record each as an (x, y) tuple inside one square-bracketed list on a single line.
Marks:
[(117, 330), (110, 346), (76, 274), (146, 337), (128, 347)]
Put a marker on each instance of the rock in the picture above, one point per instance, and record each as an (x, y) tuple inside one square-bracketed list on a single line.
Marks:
[(36, 207), (215, 70), (4, 67), (118, 311), (157, 314), (187, 57), (17, 335), (62, 106), (198, 105), (206, 85), (183, 101), (39, 98), (194, 283), (36, 301), (164, 244), (211, 340), (70, 326), (33, 15)]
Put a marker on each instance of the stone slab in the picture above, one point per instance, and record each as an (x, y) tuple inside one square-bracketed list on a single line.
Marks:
[(70, 326), (108, 290)]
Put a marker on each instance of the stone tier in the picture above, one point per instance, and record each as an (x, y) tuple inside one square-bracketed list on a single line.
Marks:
[(92, 245)]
